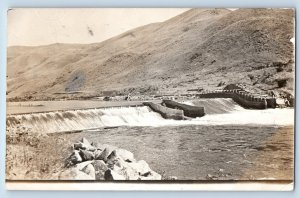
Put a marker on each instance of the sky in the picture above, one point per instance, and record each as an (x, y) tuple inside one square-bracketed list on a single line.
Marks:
[(42, 26)]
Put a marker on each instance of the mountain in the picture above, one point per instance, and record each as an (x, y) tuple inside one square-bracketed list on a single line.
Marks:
[(200, 48)]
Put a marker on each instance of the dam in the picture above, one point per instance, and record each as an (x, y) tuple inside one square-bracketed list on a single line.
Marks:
[(226, 131), (86, 119), (218, 111)]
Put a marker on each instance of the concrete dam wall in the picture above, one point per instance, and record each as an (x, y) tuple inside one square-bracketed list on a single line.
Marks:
[(166, 112), (201, 106), (76, 120), (216, 105), (218, 111), (243, 98), (188, 110)]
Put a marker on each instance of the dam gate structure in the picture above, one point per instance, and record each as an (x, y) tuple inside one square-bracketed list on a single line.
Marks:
[(241, 97), (188, 110)]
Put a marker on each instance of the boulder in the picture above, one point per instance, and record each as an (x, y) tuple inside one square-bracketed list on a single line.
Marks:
[(172, 178), (100, 168), (125, 155), (75, 157), (103, 162), (91, 149), (128, 172), (131, 174), (97, 145), (83, 146), (119, 163), (112, 156), (97, 154), (90, 170), (113, 159), (74, 174), (122, 168), (120, 154), (141, 167), (112, 175), (147, 174), (86, 155), (105, 153), (85, 141), (151, 176), (79, 145), (82, 165)]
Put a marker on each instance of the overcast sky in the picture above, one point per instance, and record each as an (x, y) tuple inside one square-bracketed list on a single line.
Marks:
[(31, 27)]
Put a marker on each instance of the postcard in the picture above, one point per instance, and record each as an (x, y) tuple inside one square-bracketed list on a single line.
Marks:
[(150, 99)]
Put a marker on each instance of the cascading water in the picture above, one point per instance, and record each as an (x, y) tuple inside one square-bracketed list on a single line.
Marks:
[(218, 112), (86, 119), (217, 105)]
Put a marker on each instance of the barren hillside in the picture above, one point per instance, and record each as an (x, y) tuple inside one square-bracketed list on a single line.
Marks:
[(197, 49)]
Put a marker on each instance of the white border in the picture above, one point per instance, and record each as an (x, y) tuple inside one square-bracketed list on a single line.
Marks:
[(92, 186)]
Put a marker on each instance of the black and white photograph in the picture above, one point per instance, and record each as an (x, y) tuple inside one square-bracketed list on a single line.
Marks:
[(150, 95)]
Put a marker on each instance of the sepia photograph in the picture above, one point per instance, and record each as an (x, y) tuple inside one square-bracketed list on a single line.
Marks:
[(150, 95)]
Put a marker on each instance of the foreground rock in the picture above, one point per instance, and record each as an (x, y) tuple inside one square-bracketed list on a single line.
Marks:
[(90, 161)]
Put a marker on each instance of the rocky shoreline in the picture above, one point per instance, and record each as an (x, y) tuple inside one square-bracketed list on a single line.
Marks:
[(93, 161)]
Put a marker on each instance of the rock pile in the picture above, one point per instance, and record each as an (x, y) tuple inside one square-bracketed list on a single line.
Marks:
[(92, 161)]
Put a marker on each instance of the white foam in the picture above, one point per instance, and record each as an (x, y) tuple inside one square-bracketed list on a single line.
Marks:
[(88, 119), (283, 117), (188, 103), (143, 116)]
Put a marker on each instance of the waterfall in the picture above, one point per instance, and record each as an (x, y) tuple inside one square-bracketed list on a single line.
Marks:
[(218, 112), (217, 105), (86, 119)]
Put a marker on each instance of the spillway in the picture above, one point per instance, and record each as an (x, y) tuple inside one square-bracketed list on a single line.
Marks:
[(86, 119), (218, 112), (217, 105)]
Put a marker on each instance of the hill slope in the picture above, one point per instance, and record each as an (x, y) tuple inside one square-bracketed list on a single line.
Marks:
[(199, 48)]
